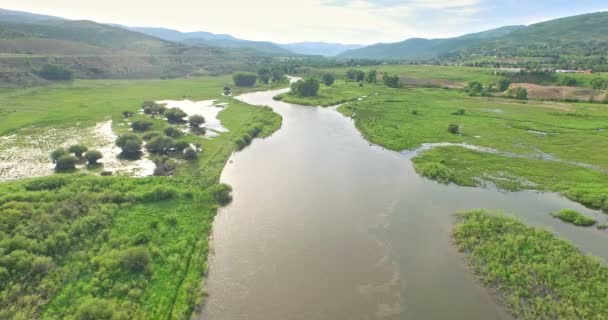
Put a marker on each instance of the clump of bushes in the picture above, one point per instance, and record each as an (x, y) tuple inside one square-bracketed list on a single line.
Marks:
[(355, 75), (164, 166), (518, 93), (57, 153), (66, 162), (130, 145), (77, 150), (436, 171), (127, 114), (190, 154), (391, 81), (92, 156), (371, 76), (308, 87), (149, 135), (246, 139), (574, 217), (141, 125), (136, 259), (244, 79), (459, 112), (96, 308), (161, 145), (152, 108), (453, 128), (172, 132), (222, 193), (328, 79), (474, 88), (195, 122), (175, 115), (56, 72)]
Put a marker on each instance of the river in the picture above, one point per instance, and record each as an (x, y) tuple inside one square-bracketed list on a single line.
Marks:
[(325, 225)]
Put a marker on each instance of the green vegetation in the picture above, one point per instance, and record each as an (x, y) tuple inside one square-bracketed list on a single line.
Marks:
[(66, 162), (175, 115), (113, 247), (538, 275), (92, 156), (435, 171), (574, 217), (130, 145), (78, 150), (244, 79), (328, 79), (308, 87), (141, 125), (56, 72), (391, 81)]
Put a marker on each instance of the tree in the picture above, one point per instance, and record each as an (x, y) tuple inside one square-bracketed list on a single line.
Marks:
[(172, 132), (244, 79), (136, 259), (328, 79), (391, 81), (355, 75), (175, 115), (222, 193), (278, 74), (474, 88), (66, 162), (92, 156), (160, 145), (57, 153), (77, 150), (521, 94), (141, 125), (190, 154), (56, 72), (227, 91), (130, 145), (454, 128), (152, 108), (503, 84), (305, 88), (196, 121), (264, 74), (371, 76)]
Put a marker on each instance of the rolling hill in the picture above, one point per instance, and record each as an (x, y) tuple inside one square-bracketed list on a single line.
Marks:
[(319, 48)]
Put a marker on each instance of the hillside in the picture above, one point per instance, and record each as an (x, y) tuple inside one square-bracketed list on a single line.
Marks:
[(319, 48), (202, 38), (424, 49)]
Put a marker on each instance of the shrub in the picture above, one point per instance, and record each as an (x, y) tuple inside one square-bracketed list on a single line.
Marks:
[(164, 166), (56, 72), (180, 146), (227, 91), (153, 108), (190, 154), (459, 112), (57, 153), (159, 193), (141, 126), (66, 162), (474, 88), (160, 145), (77, 150), (264, 75), (574, 217), (305, 88), (521, 94), (415, 112), (371, 76), (42, 265), (92, 156), (436, 171), (222, 193), (98, 309), (175, 115), (127, 114), (328, 79), (149, 135), (136, 259), (503, 84), (244, 79), (355, 75), (454, 128), (391, 81), (47, 183), (196, 121), (130, 145), (172, 132)]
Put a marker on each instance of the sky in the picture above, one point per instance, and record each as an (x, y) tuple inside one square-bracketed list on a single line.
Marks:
[(342, 21)]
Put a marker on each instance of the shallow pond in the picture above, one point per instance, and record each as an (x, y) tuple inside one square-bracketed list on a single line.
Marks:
[(326, 226)]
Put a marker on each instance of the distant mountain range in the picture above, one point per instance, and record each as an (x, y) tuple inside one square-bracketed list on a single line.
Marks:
[(569, 35)]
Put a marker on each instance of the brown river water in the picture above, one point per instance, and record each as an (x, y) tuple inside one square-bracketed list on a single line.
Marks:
[(326, 226)]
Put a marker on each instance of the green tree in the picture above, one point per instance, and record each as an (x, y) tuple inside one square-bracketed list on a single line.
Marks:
[(77, 150), (130, 145), (503, 84), (244, 79), (371, 76), (92, 156), (160, 145), (175, 115), (308, 87), (66, 162), (474, 88), (454, 128), (521, 94), (58, 153), (196, 121), (141, 125), (264, 74), (172, 132), (391, 81), (56, 72), (328, 79)]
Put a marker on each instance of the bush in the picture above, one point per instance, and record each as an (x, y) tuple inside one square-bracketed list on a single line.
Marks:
[(503, 84), (371, 76), (244, 79), (175, 115), (153, 108), (196, 121), (149, 135), (454, 128), (328, 79), (391, 81), (98, 309), (436, 171), (57, 153), (222, 193), (574, 217), (77, 150), (521, 94), (56, 72), (264, 74), (42, 265), (172, 132), (47, 183), (127, 114), (474, 88), (355, 75), (308, 87), (415, 112), (459, 112), (66, 162), (141, 126), (190, 154), (159, 193), (136, 259), (180, 146), (130, 145), (92, 156), (160, 145), (164, 166)]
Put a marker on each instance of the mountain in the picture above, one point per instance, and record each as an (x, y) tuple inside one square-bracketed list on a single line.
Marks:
[(202, 38), (319, 48), (422, 49)]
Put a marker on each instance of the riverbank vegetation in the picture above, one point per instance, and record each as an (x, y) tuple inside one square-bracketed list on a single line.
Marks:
[(83, 246), (574, 217), (538, 275)]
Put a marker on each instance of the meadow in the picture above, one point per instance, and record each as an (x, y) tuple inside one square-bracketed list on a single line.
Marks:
[(81, 246)]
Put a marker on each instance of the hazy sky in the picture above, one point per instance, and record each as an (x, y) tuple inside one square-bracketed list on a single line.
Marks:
[(346, 21)]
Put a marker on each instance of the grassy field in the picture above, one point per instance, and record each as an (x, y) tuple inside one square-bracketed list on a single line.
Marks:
[(538, 275), (78, 246)]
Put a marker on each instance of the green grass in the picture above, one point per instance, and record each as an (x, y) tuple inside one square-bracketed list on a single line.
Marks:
[(339, 92), (63, 237), (538, 275), (574, 217)]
